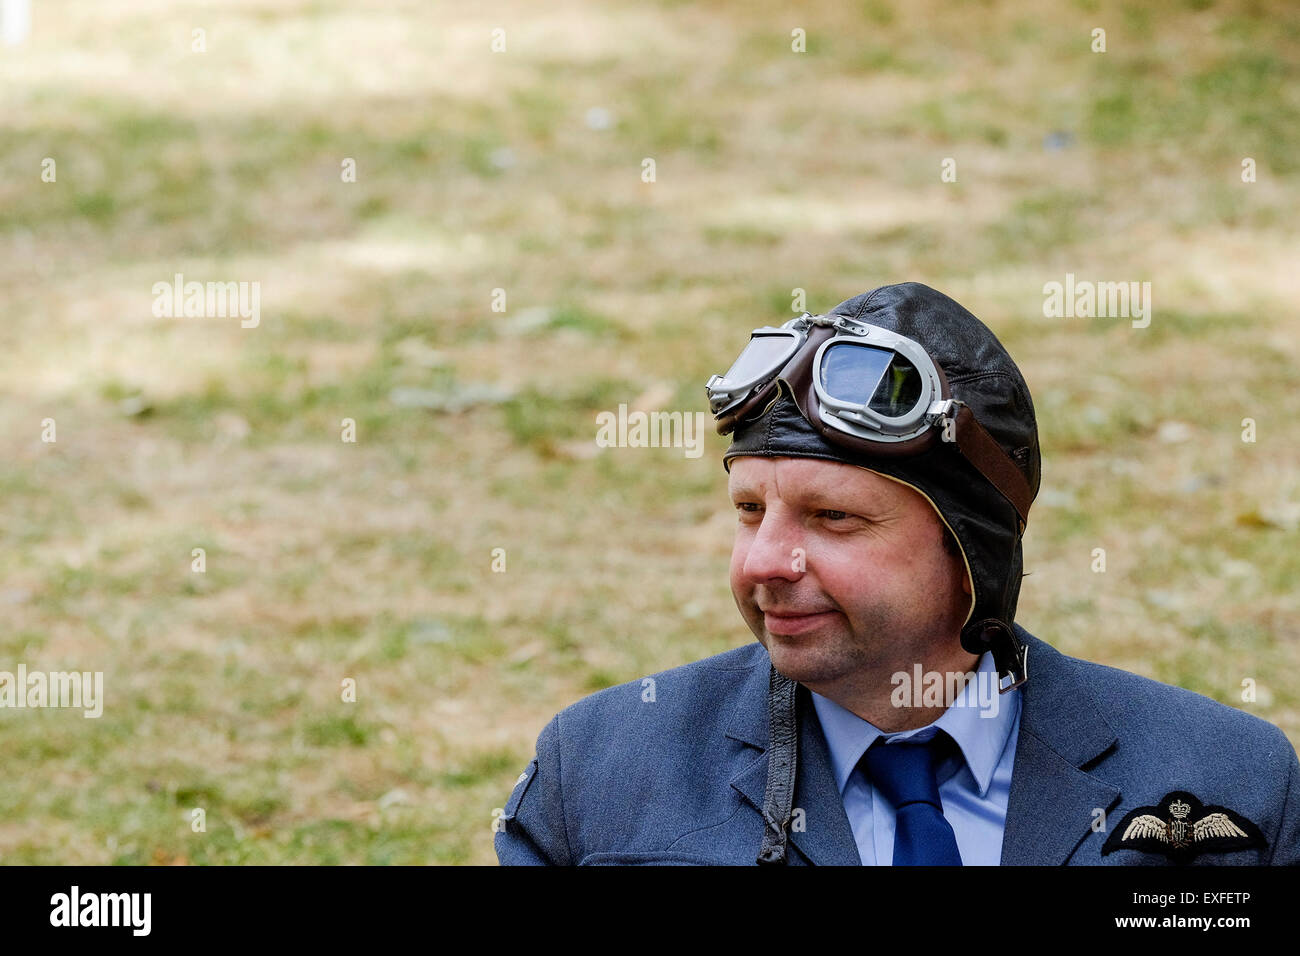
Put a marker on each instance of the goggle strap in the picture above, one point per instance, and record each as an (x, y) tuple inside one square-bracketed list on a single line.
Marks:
[(978, 446), (801, 375)]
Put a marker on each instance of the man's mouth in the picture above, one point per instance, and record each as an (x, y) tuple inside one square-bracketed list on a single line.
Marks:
[(786, 621)]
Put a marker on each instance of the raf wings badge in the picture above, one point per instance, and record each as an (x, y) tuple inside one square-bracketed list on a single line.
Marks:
[(1182, 828)]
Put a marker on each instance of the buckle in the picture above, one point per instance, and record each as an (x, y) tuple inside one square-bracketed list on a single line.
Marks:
[(845, 324), (944, 412), (1016, 671)]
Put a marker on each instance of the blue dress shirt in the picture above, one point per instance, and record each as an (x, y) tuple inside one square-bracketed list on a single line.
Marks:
[(973, 785)]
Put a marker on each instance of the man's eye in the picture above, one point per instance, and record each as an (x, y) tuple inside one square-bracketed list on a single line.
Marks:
[(747, 507), (835, 515)]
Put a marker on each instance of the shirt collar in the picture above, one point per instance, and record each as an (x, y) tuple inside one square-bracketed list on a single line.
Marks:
[(980, 721)]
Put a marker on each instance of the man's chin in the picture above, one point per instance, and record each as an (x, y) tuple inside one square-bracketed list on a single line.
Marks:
[(797, 659)]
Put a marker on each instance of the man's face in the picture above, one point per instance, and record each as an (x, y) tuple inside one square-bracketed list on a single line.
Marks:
[(841, 573)]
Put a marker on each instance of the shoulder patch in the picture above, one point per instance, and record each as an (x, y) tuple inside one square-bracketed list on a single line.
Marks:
[(1182, 828), (521, 787)]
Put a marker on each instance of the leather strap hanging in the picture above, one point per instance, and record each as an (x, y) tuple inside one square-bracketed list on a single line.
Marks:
[(980, 449), (782, 765)]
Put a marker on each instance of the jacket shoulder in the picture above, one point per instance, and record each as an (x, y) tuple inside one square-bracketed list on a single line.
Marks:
[(700, 687), (1134, 703), (637, 766), (1142, 709)]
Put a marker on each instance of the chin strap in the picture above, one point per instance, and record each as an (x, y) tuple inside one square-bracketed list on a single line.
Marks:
[(1010, 655), (782, 763)]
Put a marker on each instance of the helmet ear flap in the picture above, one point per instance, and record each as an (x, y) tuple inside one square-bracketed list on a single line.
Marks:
[(1009, 653)]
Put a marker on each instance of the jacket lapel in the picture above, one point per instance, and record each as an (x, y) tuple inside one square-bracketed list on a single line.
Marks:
[(823, 834), (1053, 801)]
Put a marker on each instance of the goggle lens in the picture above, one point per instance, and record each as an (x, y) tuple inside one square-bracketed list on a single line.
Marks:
[(762, 354), (881, 379)]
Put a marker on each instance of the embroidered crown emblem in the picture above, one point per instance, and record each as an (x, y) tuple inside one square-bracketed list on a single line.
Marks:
[(1187, 829)]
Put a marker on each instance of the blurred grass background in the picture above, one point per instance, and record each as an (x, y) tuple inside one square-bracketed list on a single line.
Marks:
[(476, 171)]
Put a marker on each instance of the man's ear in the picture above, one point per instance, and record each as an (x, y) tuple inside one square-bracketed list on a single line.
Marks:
[(965, 581)]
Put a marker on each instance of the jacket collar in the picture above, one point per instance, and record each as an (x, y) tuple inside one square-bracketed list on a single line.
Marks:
[(1053, 800)]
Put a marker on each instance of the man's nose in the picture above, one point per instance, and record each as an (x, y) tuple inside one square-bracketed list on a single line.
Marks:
[(776, 550)]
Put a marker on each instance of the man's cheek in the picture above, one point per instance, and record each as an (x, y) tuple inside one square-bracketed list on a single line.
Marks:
[(739, 551), (739, 587)]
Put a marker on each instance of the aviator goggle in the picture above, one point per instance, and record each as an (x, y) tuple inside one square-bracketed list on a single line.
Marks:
[(864, 388)]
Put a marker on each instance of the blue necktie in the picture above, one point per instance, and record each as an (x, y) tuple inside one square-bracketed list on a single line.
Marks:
[(904, 773)]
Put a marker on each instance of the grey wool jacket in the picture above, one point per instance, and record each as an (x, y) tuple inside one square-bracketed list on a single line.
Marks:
[(1110, 769)]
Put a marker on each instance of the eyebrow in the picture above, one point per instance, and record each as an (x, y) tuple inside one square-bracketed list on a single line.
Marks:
[(823, 497), (850, 502)]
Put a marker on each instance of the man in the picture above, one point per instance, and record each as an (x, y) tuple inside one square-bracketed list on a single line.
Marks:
[(892, 712)]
